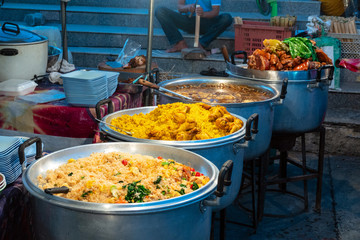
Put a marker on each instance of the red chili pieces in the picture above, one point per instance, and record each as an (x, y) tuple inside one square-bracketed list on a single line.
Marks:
[(124, 162)]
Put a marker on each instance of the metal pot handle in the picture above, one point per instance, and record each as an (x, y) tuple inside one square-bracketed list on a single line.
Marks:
[(331, 74), (27, 143), (283, 92), (253, 121), (102, 102), (237, 53), (154, 75), (224, 178), (4, 29), (284, 88)]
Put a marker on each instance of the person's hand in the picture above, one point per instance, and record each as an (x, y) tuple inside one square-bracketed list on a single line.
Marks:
[(199, 11), (192, 8)]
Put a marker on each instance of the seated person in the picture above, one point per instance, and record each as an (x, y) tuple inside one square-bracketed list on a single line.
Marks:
[(212, 23)]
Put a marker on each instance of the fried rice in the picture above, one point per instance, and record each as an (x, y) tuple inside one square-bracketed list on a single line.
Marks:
[(119, 177)]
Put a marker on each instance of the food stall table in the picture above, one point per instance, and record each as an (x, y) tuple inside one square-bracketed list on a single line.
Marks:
[(58, 118)]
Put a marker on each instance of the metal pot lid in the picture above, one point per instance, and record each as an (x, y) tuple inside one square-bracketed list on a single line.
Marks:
[(11, 34)]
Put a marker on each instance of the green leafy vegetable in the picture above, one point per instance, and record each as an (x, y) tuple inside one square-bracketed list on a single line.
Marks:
[(301, 47), (70, 174), (183, 185), (117, 174), (136, 193), (167, 163), (85, 194), (182, 191), (158, 180), (194, 186)]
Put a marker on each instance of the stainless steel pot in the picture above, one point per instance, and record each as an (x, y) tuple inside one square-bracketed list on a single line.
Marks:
[(264, 109), (217, 150), (23, 54), (304, 107), (184, 217)]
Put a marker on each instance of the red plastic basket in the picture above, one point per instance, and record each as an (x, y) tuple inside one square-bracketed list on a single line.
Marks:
[(250, 35)]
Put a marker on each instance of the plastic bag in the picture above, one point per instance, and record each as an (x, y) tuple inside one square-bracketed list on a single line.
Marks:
[(316, 26), (129, 51), (350, 64)]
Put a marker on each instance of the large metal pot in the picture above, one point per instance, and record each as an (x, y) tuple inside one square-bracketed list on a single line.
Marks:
[(23, 53), (306, 101), (264, 109), (184, 217), (217, 150)]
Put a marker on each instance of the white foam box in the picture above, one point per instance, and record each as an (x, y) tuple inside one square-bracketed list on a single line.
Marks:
[(17, 87)]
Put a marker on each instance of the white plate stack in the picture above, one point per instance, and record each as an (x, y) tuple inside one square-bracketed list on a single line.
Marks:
[(112, 81), (87, 88), (9, 164), (2, 182), (9, 156)]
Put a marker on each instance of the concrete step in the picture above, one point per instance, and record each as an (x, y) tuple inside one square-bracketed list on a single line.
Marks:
[(167, 62), (115, 36), (110, 16), (284, 6)]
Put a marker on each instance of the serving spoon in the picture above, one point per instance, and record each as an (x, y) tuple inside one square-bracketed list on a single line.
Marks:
[(162, 89), (127, 132)]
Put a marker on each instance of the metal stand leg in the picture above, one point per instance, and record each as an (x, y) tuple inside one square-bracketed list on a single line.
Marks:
[(320, 169), (263, 166), (303, 153), (212, 226), (283, 169), (253, 190), (222, 223)]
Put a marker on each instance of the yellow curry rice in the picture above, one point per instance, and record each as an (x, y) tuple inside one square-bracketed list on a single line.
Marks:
[(180, 121), (119, 177)]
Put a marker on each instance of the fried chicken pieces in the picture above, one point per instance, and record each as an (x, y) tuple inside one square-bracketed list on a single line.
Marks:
[(137, 61), (267, 59)]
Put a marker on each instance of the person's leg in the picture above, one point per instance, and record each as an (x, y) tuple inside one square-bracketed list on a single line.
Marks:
[(170, 22), (212, 28)]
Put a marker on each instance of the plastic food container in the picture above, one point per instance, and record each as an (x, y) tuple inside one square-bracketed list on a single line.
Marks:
[(17, 87)]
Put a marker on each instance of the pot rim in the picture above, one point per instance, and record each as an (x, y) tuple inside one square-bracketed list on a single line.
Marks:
[(241, 71), (126, 208), (23, 44), (274, 91), (190, 144)]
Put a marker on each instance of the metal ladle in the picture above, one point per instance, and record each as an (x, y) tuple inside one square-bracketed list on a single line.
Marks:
[(127, 132), (153, 85)]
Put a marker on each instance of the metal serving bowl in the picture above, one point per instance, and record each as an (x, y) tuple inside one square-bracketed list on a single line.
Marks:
[(60, 218), (216, 150), (304, 107), (263, 108)]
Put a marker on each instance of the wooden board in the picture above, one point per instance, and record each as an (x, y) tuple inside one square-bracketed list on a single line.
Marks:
[(104, 67)]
